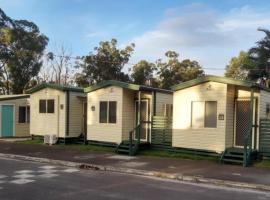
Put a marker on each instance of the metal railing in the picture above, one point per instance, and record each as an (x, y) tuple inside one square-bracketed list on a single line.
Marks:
[(248, 147), (134, 145)]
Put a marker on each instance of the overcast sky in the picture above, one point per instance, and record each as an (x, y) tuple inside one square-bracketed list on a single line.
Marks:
[(210, 32)]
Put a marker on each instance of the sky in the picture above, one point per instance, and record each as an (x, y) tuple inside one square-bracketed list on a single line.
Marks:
[(208, 31)]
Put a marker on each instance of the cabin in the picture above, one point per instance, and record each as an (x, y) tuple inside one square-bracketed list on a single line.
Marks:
[(116, 108), (58, 110), (222, 115), (15, 116)]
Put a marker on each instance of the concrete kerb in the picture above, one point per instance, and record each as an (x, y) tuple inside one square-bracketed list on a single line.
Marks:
[(178, 177)]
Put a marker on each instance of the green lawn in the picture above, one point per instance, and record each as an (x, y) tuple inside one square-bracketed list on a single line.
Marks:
[(79, 147), (263, 163), (177, 155)]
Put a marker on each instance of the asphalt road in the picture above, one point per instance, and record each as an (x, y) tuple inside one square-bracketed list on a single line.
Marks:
[(21, 180)]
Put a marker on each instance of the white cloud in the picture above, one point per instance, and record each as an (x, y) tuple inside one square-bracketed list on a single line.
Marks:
[(203, 34)]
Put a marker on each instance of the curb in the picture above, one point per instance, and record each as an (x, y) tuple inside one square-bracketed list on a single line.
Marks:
[(178, 177)]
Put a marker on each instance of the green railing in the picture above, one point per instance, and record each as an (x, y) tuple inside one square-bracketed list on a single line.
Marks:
[(134, 145), (248, 148)]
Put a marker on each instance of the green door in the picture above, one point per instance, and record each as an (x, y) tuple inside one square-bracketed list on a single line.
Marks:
[(7, 121)]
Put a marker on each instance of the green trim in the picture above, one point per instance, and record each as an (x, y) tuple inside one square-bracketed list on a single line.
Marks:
[(54, 86), (13, 97), (218, 79), (129, 86)]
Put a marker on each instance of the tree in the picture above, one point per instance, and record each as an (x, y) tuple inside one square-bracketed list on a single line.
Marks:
[(239, 67), (143, 73), (175, 71), (58, 66), (21, 46), (260, 54), (106, 63)]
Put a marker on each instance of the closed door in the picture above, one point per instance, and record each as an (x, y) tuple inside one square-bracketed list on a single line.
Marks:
[(242, 121), (144, 118), (7, 120)]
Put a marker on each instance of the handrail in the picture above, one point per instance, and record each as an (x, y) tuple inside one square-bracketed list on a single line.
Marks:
[(137, 129), (247, 147)]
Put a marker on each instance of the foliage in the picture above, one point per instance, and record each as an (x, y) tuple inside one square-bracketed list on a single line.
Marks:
[(59, 66), (143, 73), (239, 67), (260, 54), (175, 71), (106, 63), (21, 49)]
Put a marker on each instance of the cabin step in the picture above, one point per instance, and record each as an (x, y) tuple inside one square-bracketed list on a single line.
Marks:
[(233, 156)]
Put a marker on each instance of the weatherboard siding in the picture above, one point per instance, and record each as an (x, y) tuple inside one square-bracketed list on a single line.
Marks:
[(230, 112), (161, 100), (184, 135), (21, 129), (106, 132), (128, 113), (75, 114), (48, 123)]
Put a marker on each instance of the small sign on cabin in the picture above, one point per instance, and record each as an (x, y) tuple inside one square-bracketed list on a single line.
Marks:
[(220, 116)]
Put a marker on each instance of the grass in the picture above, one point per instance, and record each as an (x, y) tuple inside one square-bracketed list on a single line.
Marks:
[(177, 155), (263, 163), (31, 142), (79, 147)]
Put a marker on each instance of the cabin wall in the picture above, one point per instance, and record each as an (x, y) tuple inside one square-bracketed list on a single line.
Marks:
[(161, 100), (128, 113), (106, 132), (75, 114), (185, 136), (230, 115), (21, 129), (48, 123)]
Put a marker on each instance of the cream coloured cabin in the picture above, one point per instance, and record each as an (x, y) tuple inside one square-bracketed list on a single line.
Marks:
[(57, 110), (214, 113), (14, 116), (113, 110)]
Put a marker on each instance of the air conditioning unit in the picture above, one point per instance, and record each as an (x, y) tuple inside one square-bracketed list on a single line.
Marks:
[(50, 139)]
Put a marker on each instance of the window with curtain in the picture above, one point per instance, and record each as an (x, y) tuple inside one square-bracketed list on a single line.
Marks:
[(204, 114), (107, 112)]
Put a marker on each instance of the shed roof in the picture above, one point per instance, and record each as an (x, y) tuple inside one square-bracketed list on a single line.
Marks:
[(218, 79), (125, 85), (13, 97), (54, 86)]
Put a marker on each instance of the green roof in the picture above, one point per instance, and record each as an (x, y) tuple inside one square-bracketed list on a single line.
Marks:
[(218, 79), (13, 97), (129, 86), (54, 86)]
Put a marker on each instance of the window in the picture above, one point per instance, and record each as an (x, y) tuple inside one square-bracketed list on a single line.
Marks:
[(210, 114), (168, 110), (107, 111), (112, 112), (50, 106), (28, 114), (24, 114), (197, 114), (46, 106), (42, 106), (103, 111), (204, 114)]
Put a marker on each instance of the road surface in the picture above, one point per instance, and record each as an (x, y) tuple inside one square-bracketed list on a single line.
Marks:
[(23, 180)]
